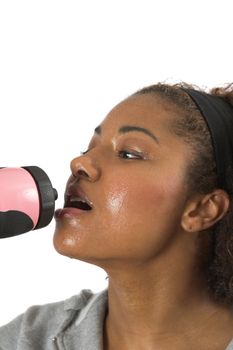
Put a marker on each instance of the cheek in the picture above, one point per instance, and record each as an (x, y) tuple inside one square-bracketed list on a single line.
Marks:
[(142, 200), (116, 198), (127, 198), (134, 221)]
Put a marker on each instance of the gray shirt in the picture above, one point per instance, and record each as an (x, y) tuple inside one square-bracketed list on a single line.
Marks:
[(73, 324)]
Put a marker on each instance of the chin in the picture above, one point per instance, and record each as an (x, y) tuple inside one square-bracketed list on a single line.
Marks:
[(70, 246), (64, 243)]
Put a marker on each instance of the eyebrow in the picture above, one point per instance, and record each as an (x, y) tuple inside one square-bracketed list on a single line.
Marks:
[(129, 128)]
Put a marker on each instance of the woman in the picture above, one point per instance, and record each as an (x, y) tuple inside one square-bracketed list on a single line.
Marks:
[(150, 201)]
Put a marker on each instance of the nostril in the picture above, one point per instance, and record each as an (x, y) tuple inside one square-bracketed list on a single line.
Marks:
[(82, 173), (85, 169)]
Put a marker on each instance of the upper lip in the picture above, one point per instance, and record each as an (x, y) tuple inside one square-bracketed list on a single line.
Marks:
[(76, 191)]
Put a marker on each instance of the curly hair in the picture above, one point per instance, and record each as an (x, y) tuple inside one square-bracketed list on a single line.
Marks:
[(202, 178)]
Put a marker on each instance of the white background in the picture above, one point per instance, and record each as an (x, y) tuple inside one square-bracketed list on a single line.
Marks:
[(63, 66)]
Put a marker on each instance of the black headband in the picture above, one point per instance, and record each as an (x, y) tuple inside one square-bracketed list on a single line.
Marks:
[(218, 115)]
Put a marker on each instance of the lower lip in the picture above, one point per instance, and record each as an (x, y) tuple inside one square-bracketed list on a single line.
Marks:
[(68, 213)]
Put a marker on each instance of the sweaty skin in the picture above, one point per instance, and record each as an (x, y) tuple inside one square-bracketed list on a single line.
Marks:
[(143, 230)]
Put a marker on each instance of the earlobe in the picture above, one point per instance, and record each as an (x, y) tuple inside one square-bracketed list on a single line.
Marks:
[(203, 211)]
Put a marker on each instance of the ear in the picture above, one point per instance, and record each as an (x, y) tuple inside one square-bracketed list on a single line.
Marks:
[(204, 210)]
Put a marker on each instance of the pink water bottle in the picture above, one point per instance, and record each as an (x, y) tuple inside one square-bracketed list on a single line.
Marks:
[(27, 200)]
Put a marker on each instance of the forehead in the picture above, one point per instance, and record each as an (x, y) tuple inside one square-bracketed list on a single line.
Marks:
[(142, 110)]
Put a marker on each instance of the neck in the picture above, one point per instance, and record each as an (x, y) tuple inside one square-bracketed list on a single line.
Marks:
[(156, 299), (155, 302)]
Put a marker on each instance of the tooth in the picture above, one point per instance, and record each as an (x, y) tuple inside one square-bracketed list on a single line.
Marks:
[(76, 199)]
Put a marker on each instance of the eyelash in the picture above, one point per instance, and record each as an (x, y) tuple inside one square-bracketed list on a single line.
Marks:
[(82, 153), (121, 154)]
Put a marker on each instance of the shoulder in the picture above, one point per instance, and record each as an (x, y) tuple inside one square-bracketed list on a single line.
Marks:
[(42, 323)]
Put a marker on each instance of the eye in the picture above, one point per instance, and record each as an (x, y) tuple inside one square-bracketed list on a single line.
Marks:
[(129, 155), (122, 154)]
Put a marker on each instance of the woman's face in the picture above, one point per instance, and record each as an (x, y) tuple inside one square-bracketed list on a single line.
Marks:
[(134, 176)]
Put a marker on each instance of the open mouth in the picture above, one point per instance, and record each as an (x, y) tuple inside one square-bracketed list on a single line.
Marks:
[(77, 202)]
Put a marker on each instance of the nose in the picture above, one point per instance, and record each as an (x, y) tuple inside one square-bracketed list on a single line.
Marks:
[(84, 167)]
